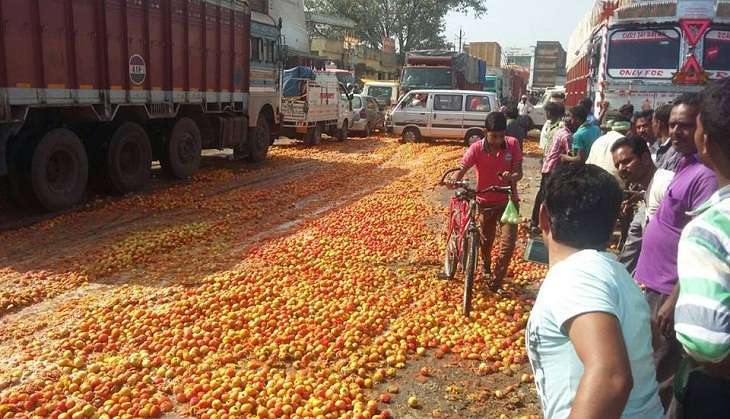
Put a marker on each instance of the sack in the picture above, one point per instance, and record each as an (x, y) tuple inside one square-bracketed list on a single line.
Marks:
[(511, 215)]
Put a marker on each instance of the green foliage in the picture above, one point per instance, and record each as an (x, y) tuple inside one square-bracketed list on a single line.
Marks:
[(414, 24)]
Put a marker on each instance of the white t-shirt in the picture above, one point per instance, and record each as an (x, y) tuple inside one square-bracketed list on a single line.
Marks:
[(524, 109), (589, 281), (656, 191), (600, 154)]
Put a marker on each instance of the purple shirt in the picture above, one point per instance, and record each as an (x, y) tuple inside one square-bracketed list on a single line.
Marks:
[(693, 184)]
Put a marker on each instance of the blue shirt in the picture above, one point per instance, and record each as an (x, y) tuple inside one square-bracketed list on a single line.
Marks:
[(584, 138), (587, 282)]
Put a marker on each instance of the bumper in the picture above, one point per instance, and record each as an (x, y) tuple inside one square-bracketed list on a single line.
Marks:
[(359, 125)]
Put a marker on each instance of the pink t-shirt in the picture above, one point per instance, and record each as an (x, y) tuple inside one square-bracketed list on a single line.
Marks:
[(489, 166)]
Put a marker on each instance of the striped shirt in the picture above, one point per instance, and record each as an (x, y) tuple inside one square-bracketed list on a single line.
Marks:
[(702, 313)]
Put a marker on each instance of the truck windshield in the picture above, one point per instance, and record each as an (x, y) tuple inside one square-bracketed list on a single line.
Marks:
[(423, 77), (717, 54), (643, 54), (382, 93)]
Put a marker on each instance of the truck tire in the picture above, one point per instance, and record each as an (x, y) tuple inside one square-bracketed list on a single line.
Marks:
[(129, 158), (182, 154), (314, 135), (259, 140), (343, 131), (59, 170)]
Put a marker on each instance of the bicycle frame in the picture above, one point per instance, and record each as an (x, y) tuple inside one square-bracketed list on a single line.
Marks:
[(462, 220)]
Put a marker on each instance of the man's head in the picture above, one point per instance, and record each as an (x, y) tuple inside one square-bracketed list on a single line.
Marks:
[(512, 112), (523, 98), (587, 103), (557, 97), (660, 122), (495, 126), (627, 111), (683, 123), (632, 159), (575, 117), (643, 126), (554, 111), (581, 207), (712, 137)]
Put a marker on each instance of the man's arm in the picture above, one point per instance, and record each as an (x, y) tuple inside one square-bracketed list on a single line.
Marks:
[(606, 383), (578, 158)]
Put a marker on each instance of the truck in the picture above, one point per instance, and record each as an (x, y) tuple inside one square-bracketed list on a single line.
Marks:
[(547, 67), (313, 103), (441, 69), (95, 90), (494, 81), (646, 53)]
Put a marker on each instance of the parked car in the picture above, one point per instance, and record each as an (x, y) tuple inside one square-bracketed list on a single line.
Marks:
[(538, 112), (371, 113), (457, 114)]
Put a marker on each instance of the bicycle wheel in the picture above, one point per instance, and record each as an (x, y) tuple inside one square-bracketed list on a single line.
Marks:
[(472, 258), (451, 255)]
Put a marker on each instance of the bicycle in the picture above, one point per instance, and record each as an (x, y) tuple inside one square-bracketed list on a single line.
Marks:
[(462, 237)]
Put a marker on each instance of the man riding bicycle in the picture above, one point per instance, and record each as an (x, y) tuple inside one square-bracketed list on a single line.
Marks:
[(497, 160)]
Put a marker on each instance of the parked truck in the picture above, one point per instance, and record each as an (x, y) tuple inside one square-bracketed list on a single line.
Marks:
[(440, 69), (98, 89)]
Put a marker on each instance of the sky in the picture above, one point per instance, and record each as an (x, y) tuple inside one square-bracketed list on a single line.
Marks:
[(519, 23)]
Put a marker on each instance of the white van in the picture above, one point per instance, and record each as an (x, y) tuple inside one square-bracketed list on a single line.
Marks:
[(386, 92), (456, 114), (538, 112)]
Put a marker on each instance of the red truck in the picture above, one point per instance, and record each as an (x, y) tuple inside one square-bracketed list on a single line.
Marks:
[(442, 69), (101, 88)]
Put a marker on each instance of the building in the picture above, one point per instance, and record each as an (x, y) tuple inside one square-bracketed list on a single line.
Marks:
[(350, 54), (294, 34), (519, 56), (548, 65), (490, 52)]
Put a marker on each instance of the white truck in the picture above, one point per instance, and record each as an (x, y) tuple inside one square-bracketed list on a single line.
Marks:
[(314, 103)]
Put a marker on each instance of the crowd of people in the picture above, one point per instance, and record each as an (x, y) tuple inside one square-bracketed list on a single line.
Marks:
[(642, 331)]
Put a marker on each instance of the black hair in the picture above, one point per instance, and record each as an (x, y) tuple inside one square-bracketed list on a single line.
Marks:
[(495, 121), (512, 112), (645, 115), (626, 109), (688, 99), (715, 114), (579, 112), (662, 113), (558, 95), (637, 144), (554, 110), (583, 202), (586, 102)]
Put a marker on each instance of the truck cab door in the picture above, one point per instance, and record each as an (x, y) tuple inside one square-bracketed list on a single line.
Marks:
[(447, 116)]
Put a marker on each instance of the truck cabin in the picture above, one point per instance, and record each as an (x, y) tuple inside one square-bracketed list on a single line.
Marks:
[(431, 77)]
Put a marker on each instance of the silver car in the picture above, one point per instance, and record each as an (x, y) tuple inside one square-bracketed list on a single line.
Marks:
[(371, 115)]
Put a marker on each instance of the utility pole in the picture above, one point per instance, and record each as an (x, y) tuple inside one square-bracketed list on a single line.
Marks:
[(460, 38)]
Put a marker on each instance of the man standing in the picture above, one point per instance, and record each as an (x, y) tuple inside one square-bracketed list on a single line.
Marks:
[(588, 336), (702, 314), (656, 269), (554, 112), (584, 136), (514, 127), (498, 162), (560, 147), (644, 129), (633, 162), (524, 108), (667, 156)]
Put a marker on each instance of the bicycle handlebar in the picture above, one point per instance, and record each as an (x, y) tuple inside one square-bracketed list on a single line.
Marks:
[(465, 185)]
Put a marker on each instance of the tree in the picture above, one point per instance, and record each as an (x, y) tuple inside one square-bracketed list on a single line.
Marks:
[(414, 24)]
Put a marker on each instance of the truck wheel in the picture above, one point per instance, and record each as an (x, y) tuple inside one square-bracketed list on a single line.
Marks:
[(410, 135), (59, 170), (182, 157), (259, 140), (342, 132), (129, 158), (314, 136)]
